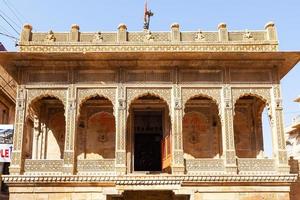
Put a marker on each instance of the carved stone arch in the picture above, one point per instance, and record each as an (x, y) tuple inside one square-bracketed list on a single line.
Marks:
[(212, 93), (162, 93), (262, 94), (33, 95), (83, 94)]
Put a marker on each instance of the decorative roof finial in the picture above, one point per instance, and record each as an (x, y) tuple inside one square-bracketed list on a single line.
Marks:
[(147, 15)]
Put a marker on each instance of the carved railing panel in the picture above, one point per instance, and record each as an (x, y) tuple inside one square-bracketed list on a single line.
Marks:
[(96, 167), (43, 167), (256, 166), (204, 166)]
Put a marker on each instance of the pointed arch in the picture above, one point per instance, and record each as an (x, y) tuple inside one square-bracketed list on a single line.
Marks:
[(248, 130), (96, 127), (35, 95), (83, 94), (162, 93), (201, 128)]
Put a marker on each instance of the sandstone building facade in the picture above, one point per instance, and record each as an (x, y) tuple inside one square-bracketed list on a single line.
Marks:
[(154, 115), (8, 88)]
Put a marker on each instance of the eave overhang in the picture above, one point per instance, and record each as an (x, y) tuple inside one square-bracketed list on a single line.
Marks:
[(14, 61)]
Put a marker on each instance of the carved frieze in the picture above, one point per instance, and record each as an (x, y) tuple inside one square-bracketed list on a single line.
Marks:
[(39, 47)]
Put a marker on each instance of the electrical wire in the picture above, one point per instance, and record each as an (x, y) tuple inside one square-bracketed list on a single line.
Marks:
[(9, 36), (4, 29), (9, 24), (10, 19), (13, 12), (17, 11)]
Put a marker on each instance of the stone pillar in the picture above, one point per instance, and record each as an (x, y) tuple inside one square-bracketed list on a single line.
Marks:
[(122, 33), (227, 111), (26, 34), (120, 111), (16, 164), (35, 140), (279, 150), (223, 32), (43, 141), (271, 31), (75, 34), (70, 114), (176, 120), (175, 32)]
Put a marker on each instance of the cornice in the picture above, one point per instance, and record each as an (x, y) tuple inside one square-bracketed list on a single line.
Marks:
[(150, 179)]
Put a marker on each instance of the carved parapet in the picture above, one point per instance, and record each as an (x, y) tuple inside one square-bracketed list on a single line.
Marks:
[(174, 40)]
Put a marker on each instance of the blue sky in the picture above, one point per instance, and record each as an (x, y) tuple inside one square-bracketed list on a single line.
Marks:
[(105, 15)]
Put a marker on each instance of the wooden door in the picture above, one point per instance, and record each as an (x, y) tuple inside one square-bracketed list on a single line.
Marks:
[(166, 153)]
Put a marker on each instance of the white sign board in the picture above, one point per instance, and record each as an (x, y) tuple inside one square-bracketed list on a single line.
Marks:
[(6, 140), (5, 152)]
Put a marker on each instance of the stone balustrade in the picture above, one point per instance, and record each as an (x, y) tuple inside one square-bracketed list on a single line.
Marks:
[(173, 40)]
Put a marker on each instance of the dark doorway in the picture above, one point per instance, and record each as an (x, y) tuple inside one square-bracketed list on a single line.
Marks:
[(148, 133)]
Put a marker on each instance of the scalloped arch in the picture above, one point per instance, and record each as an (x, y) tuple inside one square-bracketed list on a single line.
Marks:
[(261, 93), (36, 95), (162, 93), (82, 101), (214, 94), (252, 95), (85, 94)]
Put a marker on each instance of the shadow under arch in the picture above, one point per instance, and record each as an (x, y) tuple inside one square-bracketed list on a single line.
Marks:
[(96, 129), (247, 122), (201, 128), (45, 126)]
